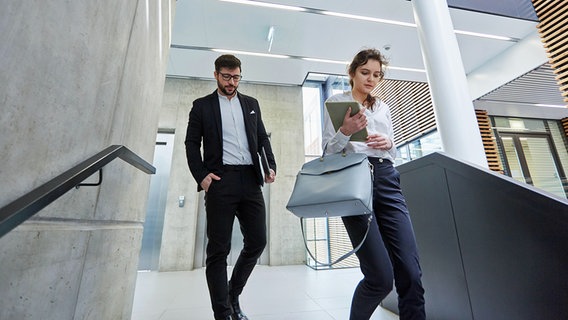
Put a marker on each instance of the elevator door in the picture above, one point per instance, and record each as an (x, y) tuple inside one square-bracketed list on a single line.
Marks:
[(156, 205), (530, 158)]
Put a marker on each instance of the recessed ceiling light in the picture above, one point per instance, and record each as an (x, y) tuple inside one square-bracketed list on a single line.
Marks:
[(357, 17), (326, 60), (485, 35), (406, 69), (549, 105), (248, 53), (267, 5)]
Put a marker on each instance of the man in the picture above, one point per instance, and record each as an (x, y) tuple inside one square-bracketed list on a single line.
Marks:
[(233, 134)]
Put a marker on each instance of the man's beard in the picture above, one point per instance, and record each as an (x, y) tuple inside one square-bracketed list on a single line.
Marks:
[(225, 92)]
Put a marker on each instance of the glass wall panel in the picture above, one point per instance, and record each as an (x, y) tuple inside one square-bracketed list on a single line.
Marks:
[(534, 151), (560, 143), (514, 168), (541, 165), (312, 120), (419, 147), (520, 125)]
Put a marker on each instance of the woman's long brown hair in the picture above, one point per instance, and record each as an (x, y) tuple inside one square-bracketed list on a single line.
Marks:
[(360, 59)]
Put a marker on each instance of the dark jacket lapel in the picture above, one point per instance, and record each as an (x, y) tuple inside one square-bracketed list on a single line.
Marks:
[(217, 115)]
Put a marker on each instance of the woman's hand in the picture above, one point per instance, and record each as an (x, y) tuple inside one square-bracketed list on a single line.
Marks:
[(379, 141), (353, 124)]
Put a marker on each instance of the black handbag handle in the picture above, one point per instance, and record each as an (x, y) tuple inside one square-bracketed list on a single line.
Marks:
[(343, 257)]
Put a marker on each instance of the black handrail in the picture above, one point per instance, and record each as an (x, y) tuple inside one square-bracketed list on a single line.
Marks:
[(26, 206)]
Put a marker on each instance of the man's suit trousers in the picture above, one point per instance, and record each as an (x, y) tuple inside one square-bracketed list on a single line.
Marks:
[(237, 194)]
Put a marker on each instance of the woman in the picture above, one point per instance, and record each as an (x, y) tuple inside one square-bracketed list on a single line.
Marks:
[(390, 248)]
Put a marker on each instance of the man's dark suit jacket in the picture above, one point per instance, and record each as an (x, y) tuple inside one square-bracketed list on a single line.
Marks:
[(205, 123)]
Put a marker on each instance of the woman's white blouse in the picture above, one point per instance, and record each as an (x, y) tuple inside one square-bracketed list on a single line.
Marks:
[(378, 121)]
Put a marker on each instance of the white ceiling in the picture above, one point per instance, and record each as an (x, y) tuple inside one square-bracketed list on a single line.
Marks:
[(200, 25)]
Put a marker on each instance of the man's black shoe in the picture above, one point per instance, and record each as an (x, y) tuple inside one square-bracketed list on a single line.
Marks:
[(238, 316), (237, 312)]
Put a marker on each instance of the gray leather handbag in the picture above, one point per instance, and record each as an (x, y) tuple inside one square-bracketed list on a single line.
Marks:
[(339, 184), (334, 185)]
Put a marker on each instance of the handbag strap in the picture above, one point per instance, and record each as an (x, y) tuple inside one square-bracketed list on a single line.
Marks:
[(343, 257), (325, 148)]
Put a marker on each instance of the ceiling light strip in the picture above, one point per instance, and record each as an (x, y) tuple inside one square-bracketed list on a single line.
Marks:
[(364, 18), (248, 53), (485, 35), (280, 56), (325, 60), (406, 69), (267, 5), (358, 17)]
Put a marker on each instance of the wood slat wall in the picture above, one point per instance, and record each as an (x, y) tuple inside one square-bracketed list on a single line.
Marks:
[(553, 30), (411, 108), (565, 126), (489, 141)]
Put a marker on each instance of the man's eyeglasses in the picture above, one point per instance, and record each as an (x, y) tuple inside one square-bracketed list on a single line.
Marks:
[(228, 77)]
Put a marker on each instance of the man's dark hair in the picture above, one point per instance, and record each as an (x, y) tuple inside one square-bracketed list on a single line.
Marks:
[(228, 61)]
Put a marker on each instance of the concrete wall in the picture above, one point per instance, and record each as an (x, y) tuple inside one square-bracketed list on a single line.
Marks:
[(282, 114), (76, 78)]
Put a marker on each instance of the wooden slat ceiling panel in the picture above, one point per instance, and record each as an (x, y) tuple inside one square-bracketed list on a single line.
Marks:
[(553, 30)]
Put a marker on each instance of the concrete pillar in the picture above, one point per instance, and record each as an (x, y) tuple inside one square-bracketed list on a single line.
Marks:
[(455, 115), (77, 77)]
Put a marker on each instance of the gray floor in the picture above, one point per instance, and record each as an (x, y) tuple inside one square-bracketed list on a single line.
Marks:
[(272, 293)]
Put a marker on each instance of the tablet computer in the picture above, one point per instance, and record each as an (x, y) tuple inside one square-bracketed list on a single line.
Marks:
[(264, 162), (337, 110)]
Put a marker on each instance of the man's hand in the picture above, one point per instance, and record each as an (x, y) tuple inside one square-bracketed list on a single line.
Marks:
[(206, 183), (269, 178)]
